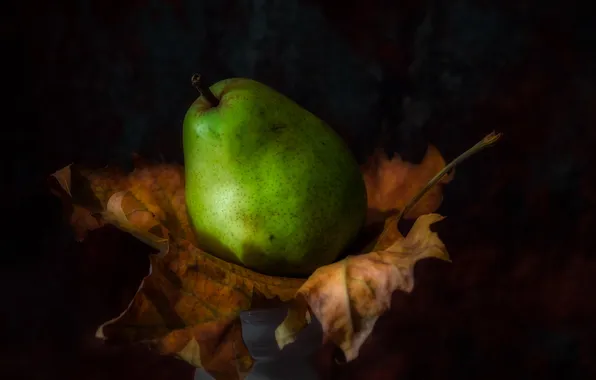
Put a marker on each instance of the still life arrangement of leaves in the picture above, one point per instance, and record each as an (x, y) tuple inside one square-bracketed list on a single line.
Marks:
[(189, 303)]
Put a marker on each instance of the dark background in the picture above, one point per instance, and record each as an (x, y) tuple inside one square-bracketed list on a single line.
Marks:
[(92, 81)]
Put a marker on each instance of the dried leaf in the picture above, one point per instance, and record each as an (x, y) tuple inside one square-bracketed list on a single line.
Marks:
[(390, 184), (63, 176), (190, 302), (189, 305), (348, 296), (81, 219), (130, 215), (149, 202), (84, 221)]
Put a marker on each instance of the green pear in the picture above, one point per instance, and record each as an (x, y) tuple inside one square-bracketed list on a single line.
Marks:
[(268, 184)]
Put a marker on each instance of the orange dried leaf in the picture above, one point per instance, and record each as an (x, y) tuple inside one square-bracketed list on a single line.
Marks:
[(391, 184), (348, 296), (189, 305), (190, 302), (148, 203), (130, 215)]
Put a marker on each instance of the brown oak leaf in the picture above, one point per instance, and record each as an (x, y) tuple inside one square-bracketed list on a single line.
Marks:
[(348, 296)]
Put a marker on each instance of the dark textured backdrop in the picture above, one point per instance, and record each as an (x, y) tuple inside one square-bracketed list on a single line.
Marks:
[(92, 81)]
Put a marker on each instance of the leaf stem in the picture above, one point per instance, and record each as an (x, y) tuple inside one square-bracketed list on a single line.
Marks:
[(204, 90), (486, 142)]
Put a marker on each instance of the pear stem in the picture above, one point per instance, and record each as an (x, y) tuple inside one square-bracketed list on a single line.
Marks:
[(204, 90)]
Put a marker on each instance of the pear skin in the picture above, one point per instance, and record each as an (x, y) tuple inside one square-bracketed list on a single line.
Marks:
[(269, 185)]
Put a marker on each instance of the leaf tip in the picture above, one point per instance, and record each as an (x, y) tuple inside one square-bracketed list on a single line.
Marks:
[(296, 320), (63, 177), (99, 334)]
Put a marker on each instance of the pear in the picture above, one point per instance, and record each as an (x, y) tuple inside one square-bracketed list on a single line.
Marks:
[(269, 185)]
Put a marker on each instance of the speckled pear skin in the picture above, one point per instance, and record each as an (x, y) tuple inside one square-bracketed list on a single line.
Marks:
[(269, 185)]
